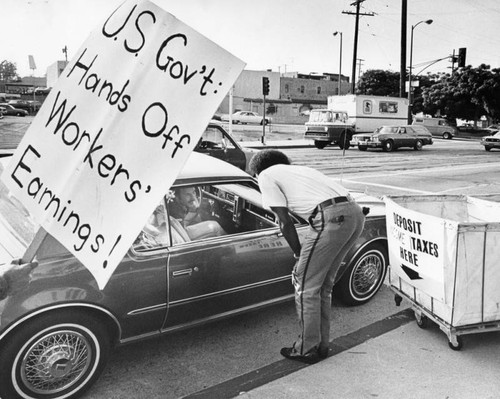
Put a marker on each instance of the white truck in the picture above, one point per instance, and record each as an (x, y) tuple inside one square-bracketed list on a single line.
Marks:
[(350, 114)]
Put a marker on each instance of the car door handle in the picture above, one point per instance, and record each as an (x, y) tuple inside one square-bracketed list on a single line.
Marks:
[(184, 272)]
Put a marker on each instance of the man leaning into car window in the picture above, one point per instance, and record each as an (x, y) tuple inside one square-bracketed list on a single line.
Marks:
[(336, 221), (186, 208)]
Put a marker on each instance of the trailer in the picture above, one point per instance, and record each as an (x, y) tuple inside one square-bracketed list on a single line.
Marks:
[(350, 114), (444, 255)]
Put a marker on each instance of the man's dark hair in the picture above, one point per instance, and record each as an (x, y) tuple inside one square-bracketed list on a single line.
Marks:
[(266, 158)]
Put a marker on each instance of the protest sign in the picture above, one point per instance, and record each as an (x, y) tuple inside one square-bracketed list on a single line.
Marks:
[(116, 129), (420, 246)]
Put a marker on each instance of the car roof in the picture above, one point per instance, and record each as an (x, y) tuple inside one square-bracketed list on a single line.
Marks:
[(202, 166)]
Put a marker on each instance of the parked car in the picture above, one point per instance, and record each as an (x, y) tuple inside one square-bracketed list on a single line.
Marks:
[(437, 126), (493, 128), (57, 328), (390, 138), (10, 110), (246, 117), (490, 142), (21, 104), (217, 142)]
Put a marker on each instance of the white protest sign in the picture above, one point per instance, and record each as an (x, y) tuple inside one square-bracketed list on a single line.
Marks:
[(116, 129), (420, 246)]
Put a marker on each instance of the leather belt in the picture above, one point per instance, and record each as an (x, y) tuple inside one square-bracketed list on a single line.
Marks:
[(325, 204)]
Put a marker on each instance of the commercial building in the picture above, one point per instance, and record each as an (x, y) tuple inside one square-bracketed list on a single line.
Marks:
[(291, 95)]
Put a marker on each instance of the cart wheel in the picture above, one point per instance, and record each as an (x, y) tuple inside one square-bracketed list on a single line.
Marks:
[(422, 321), (398, 299), (458, 345)]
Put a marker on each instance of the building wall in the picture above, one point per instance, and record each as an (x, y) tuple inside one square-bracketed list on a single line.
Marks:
[(290, 98)]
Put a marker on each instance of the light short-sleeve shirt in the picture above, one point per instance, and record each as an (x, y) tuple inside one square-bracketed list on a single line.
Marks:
[(298, 188)]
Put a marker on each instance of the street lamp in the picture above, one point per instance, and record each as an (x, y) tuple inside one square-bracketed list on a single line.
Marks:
[(428, 22), (340, 62)]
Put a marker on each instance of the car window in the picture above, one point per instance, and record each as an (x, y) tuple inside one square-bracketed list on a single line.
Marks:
[(191, 214), (213, 138)]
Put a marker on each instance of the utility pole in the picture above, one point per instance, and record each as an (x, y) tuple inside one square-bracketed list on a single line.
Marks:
[(402, 70), (356, 29)]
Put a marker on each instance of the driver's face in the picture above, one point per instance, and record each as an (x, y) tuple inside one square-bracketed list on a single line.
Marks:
[(187, 197)]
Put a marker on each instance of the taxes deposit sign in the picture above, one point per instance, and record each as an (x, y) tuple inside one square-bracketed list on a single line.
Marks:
[(116, 129)]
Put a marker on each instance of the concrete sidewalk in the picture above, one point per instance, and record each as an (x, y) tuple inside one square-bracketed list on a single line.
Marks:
[(295, 143), (390, 359), (407, 362)]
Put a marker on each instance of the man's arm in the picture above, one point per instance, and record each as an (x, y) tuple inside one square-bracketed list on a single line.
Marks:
[(288, 228)]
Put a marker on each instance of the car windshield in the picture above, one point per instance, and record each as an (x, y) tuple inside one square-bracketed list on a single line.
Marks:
[(387, 129), (17, 228)]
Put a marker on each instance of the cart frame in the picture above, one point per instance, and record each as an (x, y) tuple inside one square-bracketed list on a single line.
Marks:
[(422, 315)]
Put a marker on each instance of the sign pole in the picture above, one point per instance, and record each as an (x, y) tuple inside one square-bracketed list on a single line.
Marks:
[(264, 122)]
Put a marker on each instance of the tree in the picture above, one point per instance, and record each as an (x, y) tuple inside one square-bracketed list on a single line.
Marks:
[(8, 71), (377, 82), (468, 93)]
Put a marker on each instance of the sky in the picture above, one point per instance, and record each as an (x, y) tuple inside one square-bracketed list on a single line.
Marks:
[(279, 35)]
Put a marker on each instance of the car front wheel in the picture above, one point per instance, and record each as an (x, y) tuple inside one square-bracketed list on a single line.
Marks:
[(363, 276), (362, 147), (418, 145), (447, 136), (58, 355), (487, 148)]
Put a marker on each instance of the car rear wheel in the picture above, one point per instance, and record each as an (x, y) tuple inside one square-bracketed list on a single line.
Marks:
[(362, 147), (264, 122), (320, 144), (364, 276), (388, 146), (418, 145), (447, 136), (58, 355)]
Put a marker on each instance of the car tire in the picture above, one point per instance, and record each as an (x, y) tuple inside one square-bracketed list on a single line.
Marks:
[(388, 146), (487, 148), (344, 142), (363, 276), (362, 147), (418, 145), (320, 144), (447, 136), (264, 122), (57, 355)]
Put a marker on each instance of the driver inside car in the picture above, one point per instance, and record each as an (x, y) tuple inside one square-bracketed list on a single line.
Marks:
[(185, 207)]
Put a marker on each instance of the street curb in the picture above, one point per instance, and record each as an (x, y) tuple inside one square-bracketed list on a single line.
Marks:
[(236, 386)]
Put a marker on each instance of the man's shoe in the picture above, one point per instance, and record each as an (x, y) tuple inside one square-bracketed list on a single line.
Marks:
[(323, 352), (310, 357)]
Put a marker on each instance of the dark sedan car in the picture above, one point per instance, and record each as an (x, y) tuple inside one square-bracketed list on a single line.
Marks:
[(10, 110), (217, 142), (57, 328), (390, 138)]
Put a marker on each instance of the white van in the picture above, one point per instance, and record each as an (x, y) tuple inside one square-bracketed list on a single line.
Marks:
[(437, 126)]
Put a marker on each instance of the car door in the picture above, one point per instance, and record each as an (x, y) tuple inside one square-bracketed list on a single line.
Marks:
[(404, 138), (248, 266), (215, 141)]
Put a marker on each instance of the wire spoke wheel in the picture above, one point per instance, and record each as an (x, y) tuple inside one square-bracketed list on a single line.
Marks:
[(56, 361), (367, 275)]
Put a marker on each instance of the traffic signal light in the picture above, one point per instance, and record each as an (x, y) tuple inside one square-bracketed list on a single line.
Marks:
[(265, 85), (461, 57)]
